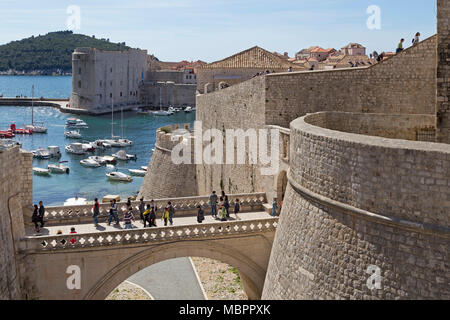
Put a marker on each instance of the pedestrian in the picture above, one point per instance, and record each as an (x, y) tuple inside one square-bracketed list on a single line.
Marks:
[(200, 214), (35, 218), (290, 69), (165, 215), (237, 208), (274, 207), (171, 212), (153, 205), (223, 213), (113, 213), (59, 232), (141, 209), (152, 217), (226, 203), (96, 212), (72, 231), (416, 39), (213, 204), (146, 216), (41, 213), (128, 218), (400, 46)]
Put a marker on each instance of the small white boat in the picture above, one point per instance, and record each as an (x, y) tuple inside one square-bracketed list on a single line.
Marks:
[(188, 109), (110, 166), (98, 159), (110, 159), (145, 168), (137, 172), (41, 154), (75, 202), (75, 148), (88, 147), (58, 168), (54, 151), (76, 123), (36, 128), (161, 113), (75, 134), (41, 171), (90, 163), (119, 176), (100, 144), (118, 143), (122, 155)]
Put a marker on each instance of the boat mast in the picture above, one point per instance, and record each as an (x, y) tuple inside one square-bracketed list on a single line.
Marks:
[(32, 105), (160, 99), (121, 114), (112, 118)]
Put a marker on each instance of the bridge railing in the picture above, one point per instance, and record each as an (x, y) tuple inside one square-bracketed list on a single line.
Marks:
[(147, 235), (183, 207)]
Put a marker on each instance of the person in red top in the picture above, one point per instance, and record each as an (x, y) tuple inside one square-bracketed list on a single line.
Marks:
[(72, 231)]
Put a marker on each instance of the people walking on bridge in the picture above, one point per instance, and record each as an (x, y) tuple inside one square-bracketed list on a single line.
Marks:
[(223, 213), (146, 216), (274, 207), (72, 231), (153, 216), (96, 212), (153, 205), (113, 213), (141, 209), (41, 213), (35, 218), (165, 215), (213, 204), (128, 218), (171, 212), (237, 208), (200, 214)]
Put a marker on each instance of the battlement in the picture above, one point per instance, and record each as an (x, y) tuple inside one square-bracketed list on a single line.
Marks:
[(169, 136)]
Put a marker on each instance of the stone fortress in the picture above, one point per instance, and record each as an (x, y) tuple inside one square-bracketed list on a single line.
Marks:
[(364, 178)]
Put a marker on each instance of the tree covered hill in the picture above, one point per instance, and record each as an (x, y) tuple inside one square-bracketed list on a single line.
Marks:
[(49, 53)]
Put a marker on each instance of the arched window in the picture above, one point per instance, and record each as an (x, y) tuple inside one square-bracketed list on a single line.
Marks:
[(79, 84)]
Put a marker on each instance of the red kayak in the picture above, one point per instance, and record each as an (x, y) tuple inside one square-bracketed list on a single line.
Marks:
[(20, 130), (6, 134)]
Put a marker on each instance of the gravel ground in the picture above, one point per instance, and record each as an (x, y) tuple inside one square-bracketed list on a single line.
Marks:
[(127, 291), (220, 281)]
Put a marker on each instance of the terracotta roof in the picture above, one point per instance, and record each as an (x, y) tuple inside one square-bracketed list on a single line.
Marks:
[(255, 57), (319, 50), (353, 45)]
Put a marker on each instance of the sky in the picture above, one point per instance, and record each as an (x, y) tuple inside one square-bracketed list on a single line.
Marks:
[(211, 30)]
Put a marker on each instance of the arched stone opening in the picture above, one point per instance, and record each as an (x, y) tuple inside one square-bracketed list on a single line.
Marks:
[(281, 188), (252, 275)]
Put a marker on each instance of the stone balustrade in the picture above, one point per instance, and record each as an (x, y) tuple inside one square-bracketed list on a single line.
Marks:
[(147, 235), (183, 207)]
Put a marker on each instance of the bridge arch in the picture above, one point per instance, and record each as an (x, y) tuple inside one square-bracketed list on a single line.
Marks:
[(252, 275)]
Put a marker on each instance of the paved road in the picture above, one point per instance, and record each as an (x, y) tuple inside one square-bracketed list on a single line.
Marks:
[(173, 279)]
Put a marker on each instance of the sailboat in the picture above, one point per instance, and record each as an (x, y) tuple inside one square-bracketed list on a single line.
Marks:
[(161, 112), (116, 141), (35, 128)]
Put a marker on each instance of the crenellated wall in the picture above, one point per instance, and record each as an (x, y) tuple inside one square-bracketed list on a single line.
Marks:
[(15, 206), (356, 202), (165, 179)]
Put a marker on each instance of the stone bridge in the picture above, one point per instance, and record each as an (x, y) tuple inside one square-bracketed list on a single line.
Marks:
[(93, 262)]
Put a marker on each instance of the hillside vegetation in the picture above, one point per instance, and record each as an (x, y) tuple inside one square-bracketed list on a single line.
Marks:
[(49, 53)]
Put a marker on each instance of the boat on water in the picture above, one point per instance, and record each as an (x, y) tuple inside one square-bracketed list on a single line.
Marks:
[(188, 109), (35, 127), (88, 147), (75, 202), (41, 171), (58, 168), (54, 151), (8, 143), (118, 143), (100, 160), (123, 156), (75, 148), (41, 154), (6, 134), (90, 163), (76, 123), (174, 110), (15, 130), (137, 172), (101, 144), (110, 159), (119, 176), (74, 134), (161, 112), (145, 168)]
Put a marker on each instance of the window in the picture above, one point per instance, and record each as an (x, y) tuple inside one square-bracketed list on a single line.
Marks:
[(110, 70), (110, 83), (101, 97), (101, 83), (79, 84), (79, 70), (121, 82), (120, 93), (110, 95)]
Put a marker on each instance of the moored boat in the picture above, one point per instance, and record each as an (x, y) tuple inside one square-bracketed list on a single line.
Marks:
[(58, 168), (119, 176), (122, 155), (54, 151), (90, 163), (75, 148), (74, 134), (137, 172), (41, 171), (41, 154)]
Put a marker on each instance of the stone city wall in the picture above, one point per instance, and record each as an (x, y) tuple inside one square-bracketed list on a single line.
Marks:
[(15, 199), (443, 71), (167, 94), (395, 126), (237, 107), (334, 226), (164, 178)]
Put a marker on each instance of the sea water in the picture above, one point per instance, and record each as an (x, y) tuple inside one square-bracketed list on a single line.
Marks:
[(83, 182)]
